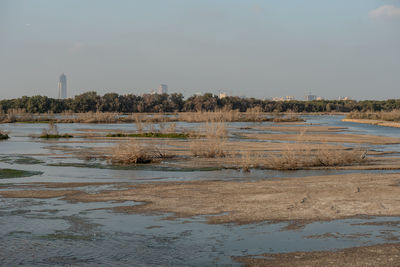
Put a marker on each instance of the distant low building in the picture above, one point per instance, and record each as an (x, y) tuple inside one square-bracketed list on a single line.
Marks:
[(286, 98), (310, 97), (222, 95), (344, 98)]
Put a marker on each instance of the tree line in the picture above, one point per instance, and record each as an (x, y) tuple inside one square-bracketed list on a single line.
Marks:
[(130, 103)]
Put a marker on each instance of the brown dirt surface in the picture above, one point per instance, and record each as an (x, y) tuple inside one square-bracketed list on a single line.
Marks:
[(300, 129), (375, 122), (378, 255), (304, 199), (335, 138)]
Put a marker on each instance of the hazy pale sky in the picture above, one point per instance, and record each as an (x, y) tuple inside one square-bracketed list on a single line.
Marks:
[(254, 48)]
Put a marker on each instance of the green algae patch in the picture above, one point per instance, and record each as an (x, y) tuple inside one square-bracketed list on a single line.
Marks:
[(21, 160), (4, 136), (152, 135), (55, 136), (12, 173), (144, 167)]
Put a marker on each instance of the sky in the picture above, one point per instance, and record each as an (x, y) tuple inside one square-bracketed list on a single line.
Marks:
[(263, 49)]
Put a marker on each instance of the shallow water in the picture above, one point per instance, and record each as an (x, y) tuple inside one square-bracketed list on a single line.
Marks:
[(54, 232)]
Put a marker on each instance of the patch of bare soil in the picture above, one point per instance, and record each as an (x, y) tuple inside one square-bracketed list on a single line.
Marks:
[(304, 199), (299, 129), (375, 122), (328, 137), (378, 255)]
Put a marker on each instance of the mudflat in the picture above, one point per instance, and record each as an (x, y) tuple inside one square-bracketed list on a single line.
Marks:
[(312, 198), (378, 255), (375, 122), (328, 137)]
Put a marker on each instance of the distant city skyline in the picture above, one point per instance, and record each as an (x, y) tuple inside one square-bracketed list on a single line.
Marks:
[(260, 48)]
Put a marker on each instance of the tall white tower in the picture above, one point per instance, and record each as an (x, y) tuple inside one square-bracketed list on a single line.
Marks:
[(62, 87), (163, 89)]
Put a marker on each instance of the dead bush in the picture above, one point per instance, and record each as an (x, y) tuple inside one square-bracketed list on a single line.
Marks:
[(135, 153), (211, 142)]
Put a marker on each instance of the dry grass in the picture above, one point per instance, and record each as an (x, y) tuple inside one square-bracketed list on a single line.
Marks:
[(136, 153), (209, 116), (97, 117), (303, 157), (211, 144), (225, 115), (393, 115), (51, 130), (14, 115)]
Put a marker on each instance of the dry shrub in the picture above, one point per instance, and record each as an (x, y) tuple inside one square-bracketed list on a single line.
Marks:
[(97, 117), (171, 128), (136, 153), (291, 159), (3, 135), (224, 115), (14, 115), (212, 143), (51, 130), (3, 115), (393, 115), (138, 123), (254, 114)]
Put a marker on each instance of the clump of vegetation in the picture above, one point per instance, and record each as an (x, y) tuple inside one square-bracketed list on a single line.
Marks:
[(393, 115), (12, 173), (152, 135), (52, 132), (97, 117), (212, 144), (304, 157), (136, 153), (287, 119), (55, 136), (155, 103), (3, 135)]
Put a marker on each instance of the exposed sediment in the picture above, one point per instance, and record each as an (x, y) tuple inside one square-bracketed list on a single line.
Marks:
[(375, 122), (378, 255), (304, 199)]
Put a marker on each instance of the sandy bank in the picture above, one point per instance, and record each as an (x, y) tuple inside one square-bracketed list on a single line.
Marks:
[(375, 122), (378, 255), (328, 137), (300, 129), (303, 199)]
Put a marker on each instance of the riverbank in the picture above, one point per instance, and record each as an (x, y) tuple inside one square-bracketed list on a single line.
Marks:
[(375, 122), (378, 255)]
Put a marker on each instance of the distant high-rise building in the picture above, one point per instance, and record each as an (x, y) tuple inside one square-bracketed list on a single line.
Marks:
[(310, 97), (62, 87), (163, 89)]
